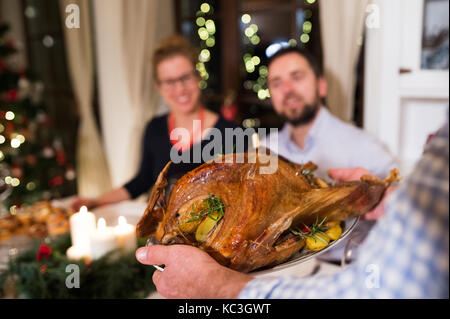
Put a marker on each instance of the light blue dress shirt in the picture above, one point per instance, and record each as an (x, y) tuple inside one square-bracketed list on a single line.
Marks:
[(332, 143)]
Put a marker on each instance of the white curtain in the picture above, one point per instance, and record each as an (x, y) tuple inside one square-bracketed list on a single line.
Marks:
[(126, 34), (342, 25), (92, 170)]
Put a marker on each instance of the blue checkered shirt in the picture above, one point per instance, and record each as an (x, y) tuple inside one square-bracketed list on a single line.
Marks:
[(405, 254)]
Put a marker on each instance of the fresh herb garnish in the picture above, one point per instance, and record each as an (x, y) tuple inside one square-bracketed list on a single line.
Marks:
[(212, 204), (310, 231)]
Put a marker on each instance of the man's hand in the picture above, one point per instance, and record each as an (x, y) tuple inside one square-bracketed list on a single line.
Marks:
[(191, 273), (354, 174)]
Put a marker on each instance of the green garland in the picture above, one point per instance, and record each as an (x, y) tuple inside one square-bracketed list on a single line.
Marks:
[(115, 275)]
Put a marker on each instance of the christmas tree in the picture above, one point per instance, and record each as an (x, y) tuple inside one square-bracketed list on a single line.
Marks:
[(33, 164)]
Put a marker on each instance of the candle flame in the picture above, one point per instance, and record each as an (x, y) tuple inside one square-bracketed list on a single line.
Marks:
[(83, 210), (122, 220), (101, 224)]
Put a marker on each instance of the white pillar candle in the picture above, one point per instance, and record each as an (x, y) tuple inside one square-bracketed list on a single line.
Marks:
[(126, 235), (103, 240), (81, 225), (76, 253)]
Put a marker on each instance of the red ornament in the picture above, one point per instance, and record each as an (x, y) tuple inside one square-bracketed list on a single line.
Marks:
[(44, 252), (12, 95), (56, 181), (229, 112)]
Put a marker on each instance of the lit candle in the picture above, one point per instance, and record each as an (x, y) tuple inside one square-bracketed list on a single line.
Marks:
[(81, 225), (75, 253), (126, 235), (103, 240)]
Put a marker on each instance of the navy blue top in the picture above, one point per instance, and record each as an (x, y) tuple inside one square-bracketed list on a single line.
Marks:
[(156, 154)]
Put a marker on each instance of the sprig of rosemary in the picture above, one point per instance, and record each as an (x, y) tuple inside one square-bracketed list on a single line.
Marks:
[(311, 230), (212, 204)]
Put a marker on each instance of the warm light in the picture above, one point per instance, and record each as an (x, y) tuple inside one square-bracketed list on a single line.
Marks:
[(304, 38), (15, 182), (307, 26), (249, 32), (292, 42), (205, 55), (2, 139), (2, 128), (263, 70), (262, 94), (83, 210), (203, 33), (101, 224), (15, 143), (210, 42), (204, 7), (202, 84), (200, 66), (1, 156), (9, 116), (246, 18), (31, 186), (200, 21), (261, 80), (310, 1), (249, 66), (256, 60), (8, 179), (255, 40), (122, 220), (210, 26), (21, 138), (254, 27)]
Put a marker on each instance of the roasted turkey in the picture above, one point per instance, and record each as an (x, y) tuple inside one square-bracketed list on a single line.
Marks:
[(242, 217)]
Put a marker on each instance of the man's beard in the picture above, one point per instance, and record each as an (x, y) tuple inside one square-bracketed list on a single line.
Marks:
[(305, 117)]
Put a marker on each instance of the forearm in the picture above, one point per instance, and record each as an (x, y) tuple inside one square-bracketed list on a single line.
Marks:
[(114, 196)]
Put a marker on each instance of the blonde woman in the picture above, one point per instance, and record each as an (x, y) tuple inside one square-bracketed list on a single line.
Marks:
[(174, 68)]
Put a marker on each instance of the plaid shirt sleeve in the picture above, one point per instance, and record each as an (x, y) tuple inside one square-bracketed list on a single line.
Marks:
[(406, 253)]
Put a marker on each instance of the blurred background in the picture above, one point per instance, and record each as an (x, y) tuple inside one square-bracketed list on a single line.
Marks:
[(74, 101)]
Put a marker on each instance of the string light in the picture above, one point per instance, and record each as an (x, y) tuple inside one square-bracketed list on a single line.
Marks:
[(205, 7), (210, 26), (245, 18), (2, 139), (210, 42), (304, 38), (15, 143), (15, 182), (307, 26), (9, 116), (2, 156), (31, 186), (2, 128), (200, 21), (203, 33)]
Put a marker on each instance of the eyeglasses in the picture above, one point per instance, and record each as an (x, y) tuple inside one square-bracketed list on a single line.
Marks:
[(184, 80)]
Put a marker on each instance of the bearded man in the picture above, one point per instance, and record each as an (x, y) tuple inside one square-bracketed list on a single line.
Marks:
[(311, 132)]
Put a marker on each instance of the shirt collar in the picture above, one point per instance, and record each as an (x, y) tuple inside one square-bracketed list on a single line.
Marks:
[(313, 133)]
